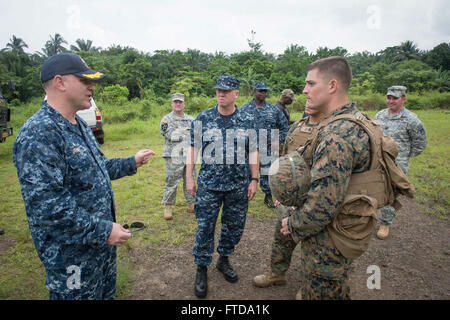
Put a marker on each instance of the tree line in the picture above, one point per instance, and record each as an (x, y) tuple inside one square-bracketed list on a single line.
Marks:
[(192, 72)]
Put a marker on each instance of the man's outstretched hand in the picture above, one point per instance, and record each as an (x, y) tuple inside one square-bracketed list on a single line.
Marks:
[(142, 157)]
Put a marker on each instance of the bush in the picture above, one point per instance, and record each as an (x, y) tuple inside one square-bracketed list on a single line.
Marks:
[(414, 102), (115, 94), (435, 100), (374, 101), (195, 105)]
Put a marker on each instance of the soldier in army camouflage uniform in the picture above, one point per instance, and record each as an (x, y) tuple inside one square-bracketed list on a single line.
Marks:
[(65, 181), (175, 128), (408, 131), (227, 178), (269, 118), (342, 149)]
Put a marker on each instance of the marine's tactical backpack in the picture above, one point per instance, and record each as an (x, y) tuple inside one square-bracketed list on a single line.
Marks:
[(368, 191)]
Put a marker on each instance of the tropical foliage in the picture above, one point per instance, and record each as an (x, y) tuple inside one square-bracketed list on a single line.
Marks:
[(155, 75)]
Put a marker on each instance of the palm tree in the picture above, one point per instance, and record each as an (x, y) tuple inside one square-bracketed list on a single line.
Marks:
[(254, 46), (249, 80), (84, 45), (15, 44), (53, 46), (197, 60), (408, 50)]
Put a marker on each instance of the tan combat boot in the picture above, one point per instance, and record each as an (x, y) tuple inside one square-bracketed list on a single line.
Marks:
[(168, 212), (383, 232), (298, 296), (268, 279), (190, 208)]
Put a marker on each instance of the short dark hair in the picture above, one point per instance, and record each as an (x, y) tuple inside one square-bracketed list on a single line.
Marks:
[(46, 84), (336, 67)]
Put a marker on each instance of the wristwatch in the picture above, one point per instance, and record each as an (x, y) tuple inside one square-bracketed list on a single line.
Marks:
[(256, 179)]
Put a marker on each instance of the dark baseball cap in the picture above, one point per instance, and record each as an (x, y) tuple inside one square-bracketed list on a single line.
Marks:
[(68, 63), (227, 82), (261, 86)]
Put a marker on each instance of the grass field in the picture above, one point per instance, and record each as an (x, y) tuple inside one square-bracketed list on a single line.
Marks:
[(138, 198)]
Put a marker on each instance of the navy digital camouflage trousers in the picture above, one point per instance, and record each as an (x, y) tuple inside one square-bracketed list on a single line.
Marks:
[(234, 204), (267, 157), (94, 279), (264, 179)]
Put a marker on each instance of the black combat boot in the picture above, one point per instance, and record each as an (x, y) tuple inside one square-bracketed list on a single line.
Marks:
[(201, 282), (268, 201), (223, 265)]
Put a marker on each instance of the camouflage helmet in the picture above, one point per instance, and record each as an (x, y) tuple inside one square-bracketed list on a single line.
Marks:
[(290, 179)]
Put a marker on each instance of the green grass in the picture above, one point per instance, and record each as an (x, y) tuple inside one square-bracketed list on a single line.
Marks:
[(138, 198)]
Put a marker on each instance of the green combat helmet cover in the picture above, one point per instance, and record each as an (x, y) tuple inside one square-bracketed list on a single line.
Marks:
[(290, 179)]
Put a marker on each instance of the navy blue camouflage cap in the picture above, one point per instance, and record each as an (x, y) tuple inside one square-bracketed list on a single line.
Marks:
[(227, 82), (68, 63), (260, 86)]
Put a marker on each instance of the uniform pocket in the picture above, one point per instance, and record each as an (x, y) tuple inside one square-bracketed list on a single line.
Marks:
[(80, 170), (353, 226)]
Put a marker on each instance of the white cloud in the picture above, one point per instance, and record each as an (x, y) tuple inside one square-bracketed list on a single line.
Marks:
[(225, 26)]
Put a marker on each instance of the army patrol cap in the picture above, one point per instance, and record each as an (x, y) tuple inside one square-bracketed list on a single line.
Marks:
[(290, 179), (396, 91), (288, 93), (68, 63), (260, 86), (227, 82), (178, 97)]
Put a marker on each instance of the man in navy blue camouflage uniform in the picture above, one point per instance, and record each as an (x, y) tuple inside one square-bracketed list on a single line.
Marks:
[(268, 118), (65, 181), (227, 178)]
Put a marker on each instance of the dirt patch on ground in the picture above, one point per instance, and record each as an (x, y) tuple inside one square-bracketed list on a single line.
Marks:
[(6, 243), (414, 262)]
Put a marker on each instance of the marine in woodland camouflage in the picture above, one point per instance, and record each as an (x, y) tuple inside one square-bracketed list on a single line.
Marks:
[(343, 149), (65, 182)]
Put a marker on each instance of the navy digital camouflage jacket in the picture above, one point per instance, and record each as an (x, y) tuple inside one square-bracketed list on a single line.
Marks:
[(226, 142), (268, 117), (66, 187)]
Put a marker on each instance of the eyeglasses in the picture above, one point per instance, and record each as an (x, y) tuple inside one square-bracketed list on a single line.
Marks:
[(134, 227)]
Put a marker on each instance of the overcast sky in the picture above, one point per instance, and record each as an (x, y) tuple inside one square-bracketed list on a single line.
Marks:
[(226, 25)]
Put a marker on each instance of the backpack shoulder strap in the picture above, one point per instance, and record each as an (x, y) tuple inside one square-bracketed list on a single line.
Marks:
[(364, 121)]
